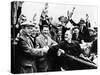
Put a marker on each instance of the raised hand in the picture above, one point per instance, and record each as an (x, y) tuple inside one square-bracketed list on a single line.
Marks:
[(87, 17), (34, 17), (73, 9), (46, 5), (69, 14)]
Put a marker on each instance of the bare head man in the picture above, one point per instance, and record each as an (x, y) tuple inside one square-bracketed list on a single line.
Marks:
[(68, 35), (45, 30)]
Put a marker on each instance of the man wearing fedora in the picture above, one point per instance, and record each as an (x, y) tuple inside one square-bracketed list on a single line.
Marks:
[(83, 26), (83, 30)]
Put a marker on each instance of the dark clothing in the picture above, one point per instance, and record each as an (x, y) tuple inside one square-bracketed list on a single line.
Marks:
[(64, 29), (18, 12), (44, 21), (84, 34), (73, 23), (59, 38), (53, 32), (94, 47), (91, 38), (70, 48), (76, 37), (56, 62), (88, 24), (26, 57), (83, 31)]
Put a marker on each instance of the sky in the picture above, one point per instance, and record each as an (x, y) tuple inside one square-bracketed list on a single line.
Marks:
[(56, 10)]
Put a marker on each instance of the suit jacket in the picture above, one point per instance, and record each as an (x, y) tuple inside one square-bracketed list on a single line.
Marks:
[(76, 38), (41, 41), (84, 32), (55, 62), (25, 52)]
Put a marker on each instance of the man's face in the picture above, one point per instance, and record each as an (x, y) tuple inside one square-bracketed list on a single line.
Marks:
[(29, 29), (33, 33), (68, 35), (62, 19), (45, 30)]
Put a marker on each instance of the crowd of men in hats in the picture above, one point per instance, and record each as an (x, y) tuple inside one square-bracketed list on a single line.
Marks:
[(41, 47)]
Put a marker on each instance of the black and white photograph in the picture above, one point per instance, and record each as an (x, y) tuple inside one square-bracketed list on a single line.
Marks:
[(53, 37)]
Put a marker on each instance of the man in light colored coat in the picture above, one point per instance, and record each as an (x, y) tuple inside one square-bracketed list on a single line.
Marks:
[(44, 41)]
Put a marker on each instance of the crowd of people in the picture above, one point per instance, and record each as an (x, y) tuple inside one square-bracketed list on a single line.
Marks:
[(42, 47)]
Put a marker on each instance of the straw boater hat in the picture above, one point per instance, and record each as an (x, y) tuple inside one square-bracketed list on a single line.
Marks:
[(28, 23)]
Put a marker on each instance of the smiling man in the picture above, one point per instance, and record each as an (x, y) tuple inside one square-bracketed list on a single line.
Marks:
[(56, 54), (44, 41)]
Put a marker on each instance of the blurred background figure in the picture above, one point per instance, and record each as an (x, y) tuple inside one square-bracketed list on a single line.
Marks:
[(88, 24), (59, 36), (76, 35), (44, 18)]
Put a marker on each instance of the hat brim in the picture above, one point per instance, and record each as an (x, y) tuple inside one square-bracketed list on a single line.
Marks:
[(91, 30), (81, 22), (27, 25)]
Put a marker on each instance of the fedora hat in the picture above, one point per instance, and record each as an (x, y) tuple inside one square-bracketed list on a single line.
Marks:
[(82, 21)]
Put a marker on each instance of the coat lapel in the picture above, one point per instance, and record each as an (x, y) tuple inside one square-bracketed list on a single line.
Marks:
[(27, 39)]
